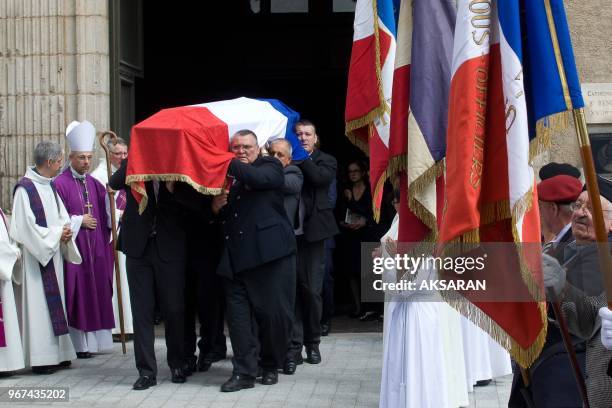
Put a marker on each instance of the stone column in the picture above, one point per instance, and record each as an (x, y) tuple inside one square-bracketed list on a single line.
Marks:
[(54, 62)]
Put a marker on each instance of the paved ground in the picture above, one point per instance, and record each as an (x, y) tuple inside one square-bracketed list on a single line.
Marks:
[(348, 377)]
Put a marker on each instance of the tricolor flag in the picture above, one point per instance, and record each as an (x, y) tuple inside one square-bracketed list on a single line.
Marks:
[(191, 143), (513, 80), (419, 112), (368, 98)]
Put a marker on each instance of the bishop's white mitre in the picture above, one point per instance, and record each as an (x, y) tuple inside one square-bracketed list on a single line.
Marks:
[(81, 136)]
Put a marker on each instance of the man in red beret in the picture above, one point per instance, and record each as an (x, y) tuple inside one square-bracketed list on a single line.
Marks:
[(555, 195), (552, 382)]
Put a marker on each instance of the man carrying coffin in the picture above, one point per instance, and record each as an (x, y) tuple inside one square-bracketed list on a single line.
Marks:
[(257, 262), (41, 225), (89, 286), (118, 151)]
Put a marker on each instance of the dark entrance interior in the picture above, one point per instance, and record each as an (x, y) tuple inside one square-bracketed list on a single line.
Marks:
[(173, 54)]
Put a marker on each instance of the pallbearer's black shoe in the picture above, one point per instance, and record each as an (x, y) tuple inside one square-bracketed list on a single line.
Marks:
[(177, 376), (289, 367), (44, 369), (269, 377), (84, 354), (325, 328), (190, 366), (238, 382), (313, 356), (143, 382)]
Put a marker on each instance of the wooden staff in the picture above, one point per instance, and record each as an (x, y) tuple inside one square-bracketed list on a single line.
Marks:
[(601, 234), (111, 198)]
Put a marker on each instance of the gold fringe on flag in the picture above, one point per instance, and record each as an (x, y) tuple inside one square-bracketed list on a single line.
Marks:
[(133, 179), (524, 357), (545, 129), (394, 166), (429, 176)]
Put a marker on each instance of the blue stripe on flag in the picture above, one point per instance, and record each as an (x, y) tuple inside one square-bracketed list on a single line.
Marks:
[(542, 81), (509, 15), (388, 12), (292, 117)]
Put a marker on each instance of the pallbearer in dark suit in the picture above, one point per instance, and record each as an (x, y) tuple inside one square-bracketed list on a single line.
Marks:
[(154, 243), (257, 263), (318, 224)]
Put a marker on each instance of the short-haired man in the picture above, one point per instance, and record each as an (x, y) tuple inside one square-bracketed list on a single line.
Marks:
[(257, 263), (317, 224), (282, 150), (579, 286), (555, 195), (41, 225)]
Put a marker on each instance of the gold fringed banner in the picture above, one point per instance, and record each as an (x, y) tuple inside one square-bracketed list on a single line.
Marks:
[(134, 179), (524, 357)]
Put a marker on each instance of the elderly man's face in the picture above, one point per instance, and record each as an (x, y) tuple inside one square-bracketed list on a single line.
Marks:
[(307, 136), (245, 148), (81, 161), (582, 218), (118, 153), (281, 152)]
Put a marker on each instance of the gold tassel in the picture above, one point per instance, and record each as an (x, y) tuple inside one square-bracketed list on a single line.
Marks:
[(524, 357), (133, 179), (493, 212), (428, 177), (545, 128)]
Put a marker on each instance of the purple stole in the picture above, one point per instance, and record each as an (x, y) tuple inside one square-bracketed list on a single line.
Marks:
[(50, 285), (2, 334)]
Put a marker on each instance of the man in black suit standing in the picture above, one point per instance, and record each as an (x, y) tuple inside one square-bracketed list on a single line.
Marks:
[(257, 263), (155, 247), (318, 224)]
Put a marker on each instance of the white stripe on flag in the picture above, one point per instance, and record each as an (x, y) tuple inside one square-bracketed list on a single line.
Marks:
[(473, 34), (364, 20), (245, 113), (520, 173)]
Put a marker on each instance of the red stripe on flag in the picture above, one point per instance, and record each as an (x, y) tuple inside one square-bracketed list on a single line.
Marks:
[(398, 139), (363, 94)]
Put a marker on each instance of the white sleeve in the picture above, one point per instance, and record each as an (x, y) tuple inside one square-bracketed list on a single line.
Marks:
[(70, 251), (75, 224)]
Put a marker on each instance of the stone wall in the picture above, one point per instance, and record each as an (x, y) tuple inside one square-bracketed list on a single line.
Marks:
[(591, 28), (53, 69)]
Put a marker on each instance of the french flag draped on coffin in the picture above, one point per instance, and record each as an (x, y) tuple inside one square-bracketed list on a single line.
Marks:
[(191, 143)]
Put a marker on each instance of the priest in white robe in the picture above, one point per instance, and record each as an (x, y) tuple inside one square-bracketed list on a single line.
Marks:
[(417, 369), (41, 225), (485, 359), (11, 352), (118, 151)]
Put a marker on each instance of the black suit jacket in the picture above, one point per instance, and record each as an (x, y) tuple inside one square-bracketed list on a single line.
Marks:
[(255, 226), (319, 171), (165, 215)]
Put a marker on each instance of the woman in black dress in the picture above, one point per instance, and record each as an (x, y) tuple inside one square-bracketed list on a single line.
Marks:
[(357, 225)]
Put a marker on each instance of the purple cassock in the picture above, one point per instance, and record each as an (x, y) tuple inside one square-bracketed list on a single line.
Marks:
[(89, 286)]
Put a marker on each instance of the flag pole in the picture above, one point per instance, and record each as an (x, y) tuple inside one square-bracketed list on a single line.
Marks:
[(111, 199), (605, 261)]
